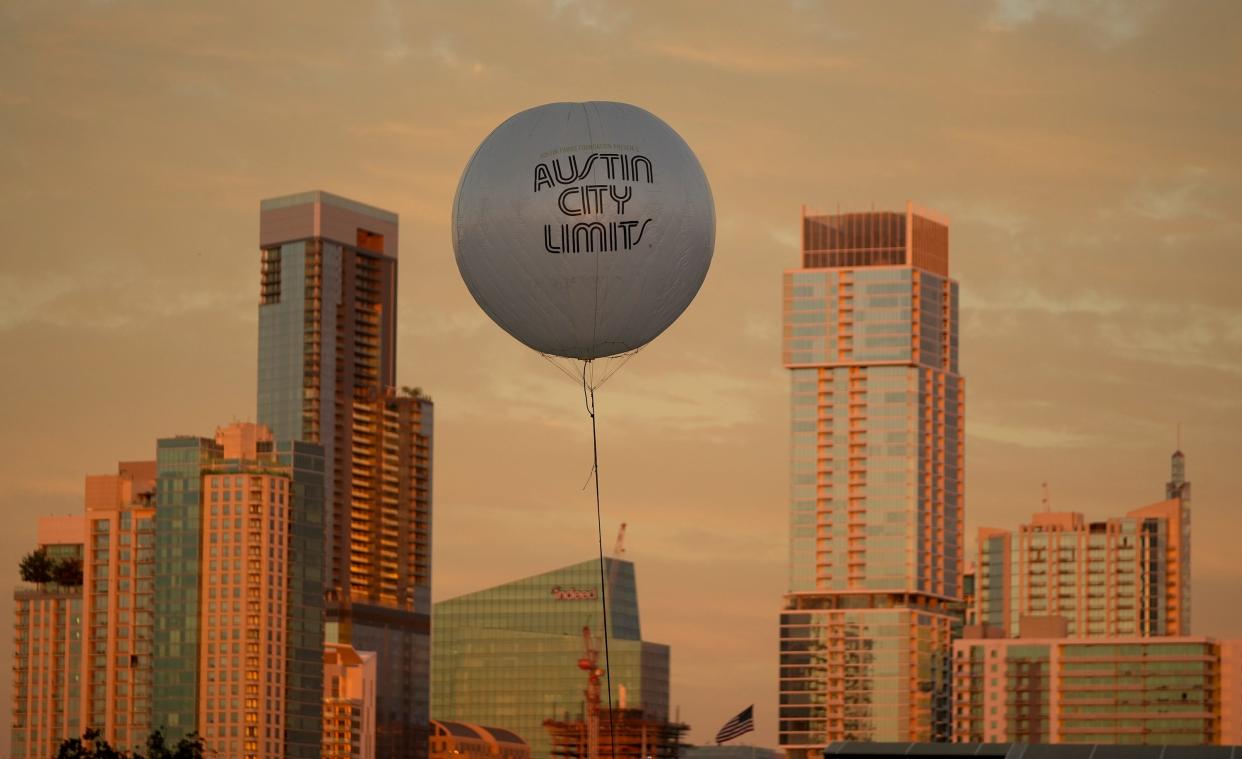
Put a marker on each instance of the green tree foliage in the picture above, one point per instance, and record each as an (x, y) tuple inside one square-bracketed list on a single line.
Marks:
[(92, 746), (37, 566), (68, 572)]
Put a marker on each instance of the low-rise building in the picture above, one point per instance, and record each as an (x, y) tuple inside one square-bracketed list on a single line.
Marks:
[(1126, 690), (348, 702), (461, 740)]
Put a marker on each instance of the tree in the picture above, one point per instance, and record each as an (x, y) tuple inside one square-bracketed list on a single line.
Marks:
[(89, 746), (189, 747), (92, 746), (37, 567), (68, 572)]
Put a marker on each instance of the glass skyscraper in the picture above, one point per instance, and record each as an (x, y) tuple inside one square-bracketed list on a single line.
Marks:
[(239, 598), (876, 494), (509, 656), (327, 375)]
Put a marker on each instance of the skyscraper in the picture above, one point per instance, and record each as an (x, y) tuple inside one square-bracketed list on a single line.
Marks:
[(1122, 576), (238, 593), (327, 374), (84, 640), (876, 497), (119, 581)]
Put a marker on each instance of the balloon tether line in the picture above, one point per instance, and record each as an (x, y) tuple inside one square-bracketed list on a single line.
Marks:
[(588, 397)]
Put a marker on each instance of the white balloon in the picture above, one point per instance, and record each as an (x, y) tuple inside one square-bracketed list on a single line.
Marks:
[(584, 229)]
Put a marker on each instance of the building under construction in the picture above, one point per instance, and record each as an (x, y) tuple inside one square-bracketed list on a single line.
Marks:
[(531, 650), (631, 735)]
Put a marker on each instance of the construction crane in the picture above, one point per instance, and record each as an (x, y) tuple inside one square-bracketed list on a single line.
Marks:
[(589, 663), (618, 549)]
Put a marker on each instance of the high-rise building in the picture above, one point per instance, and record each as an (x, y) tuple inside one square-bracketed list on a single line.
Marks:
[(47, 648), (327, 375), (1122, 576), (1121, 690), (509, 656), (239, 593), (876, 497), (119, 603), (88, 643)]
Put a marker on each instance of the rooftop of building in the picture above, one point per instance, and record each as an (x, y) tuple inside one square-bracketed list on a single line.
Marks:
[(475, 732), (311, 197)]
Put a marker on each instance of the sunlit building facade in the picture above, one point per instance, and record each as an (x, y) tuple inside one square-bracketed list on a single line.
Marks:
[(876, 500), (509, 656), (239, 593), (1122, 690), (1123, 576), (48, 650), (85, 650), (349, 678), (119, 603), (327, 375)]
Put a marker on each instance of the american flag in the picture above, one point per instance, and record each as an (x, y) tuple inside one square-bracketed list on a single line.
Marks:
[(742, 723)]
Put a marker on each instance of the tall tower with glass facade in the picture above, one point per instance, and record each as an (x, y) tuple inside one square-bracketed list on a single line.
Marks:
[(327, 375), (239, 604), (876, 492)]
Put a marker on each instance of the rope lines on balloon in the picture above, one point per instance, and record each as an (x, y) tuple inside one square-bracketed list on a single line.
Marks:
[(575, 369)]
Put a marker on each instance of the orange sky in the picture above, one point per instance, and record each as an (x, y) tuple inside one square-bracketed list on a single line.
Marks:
[(1087, 154)]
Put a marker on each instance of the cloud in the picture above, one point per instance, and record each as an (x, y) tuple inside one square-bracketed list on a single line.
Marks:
[(1178, 197), (419, 321), (1115, 21), (786, 237), (596, 15), (389, 23), (105, 303), (1028, 436), (443, 49), (989, 214), (741, 60), (1033, 299), (1178, 333), (1186, 335)]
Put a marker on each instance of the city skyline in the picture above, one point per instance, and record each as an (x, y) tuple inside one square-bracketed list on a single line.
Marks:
[(1089, 193)]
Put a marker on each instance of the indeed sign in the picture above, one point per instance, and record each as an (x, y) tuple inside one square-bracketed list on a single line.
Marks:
[(573, 594)]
